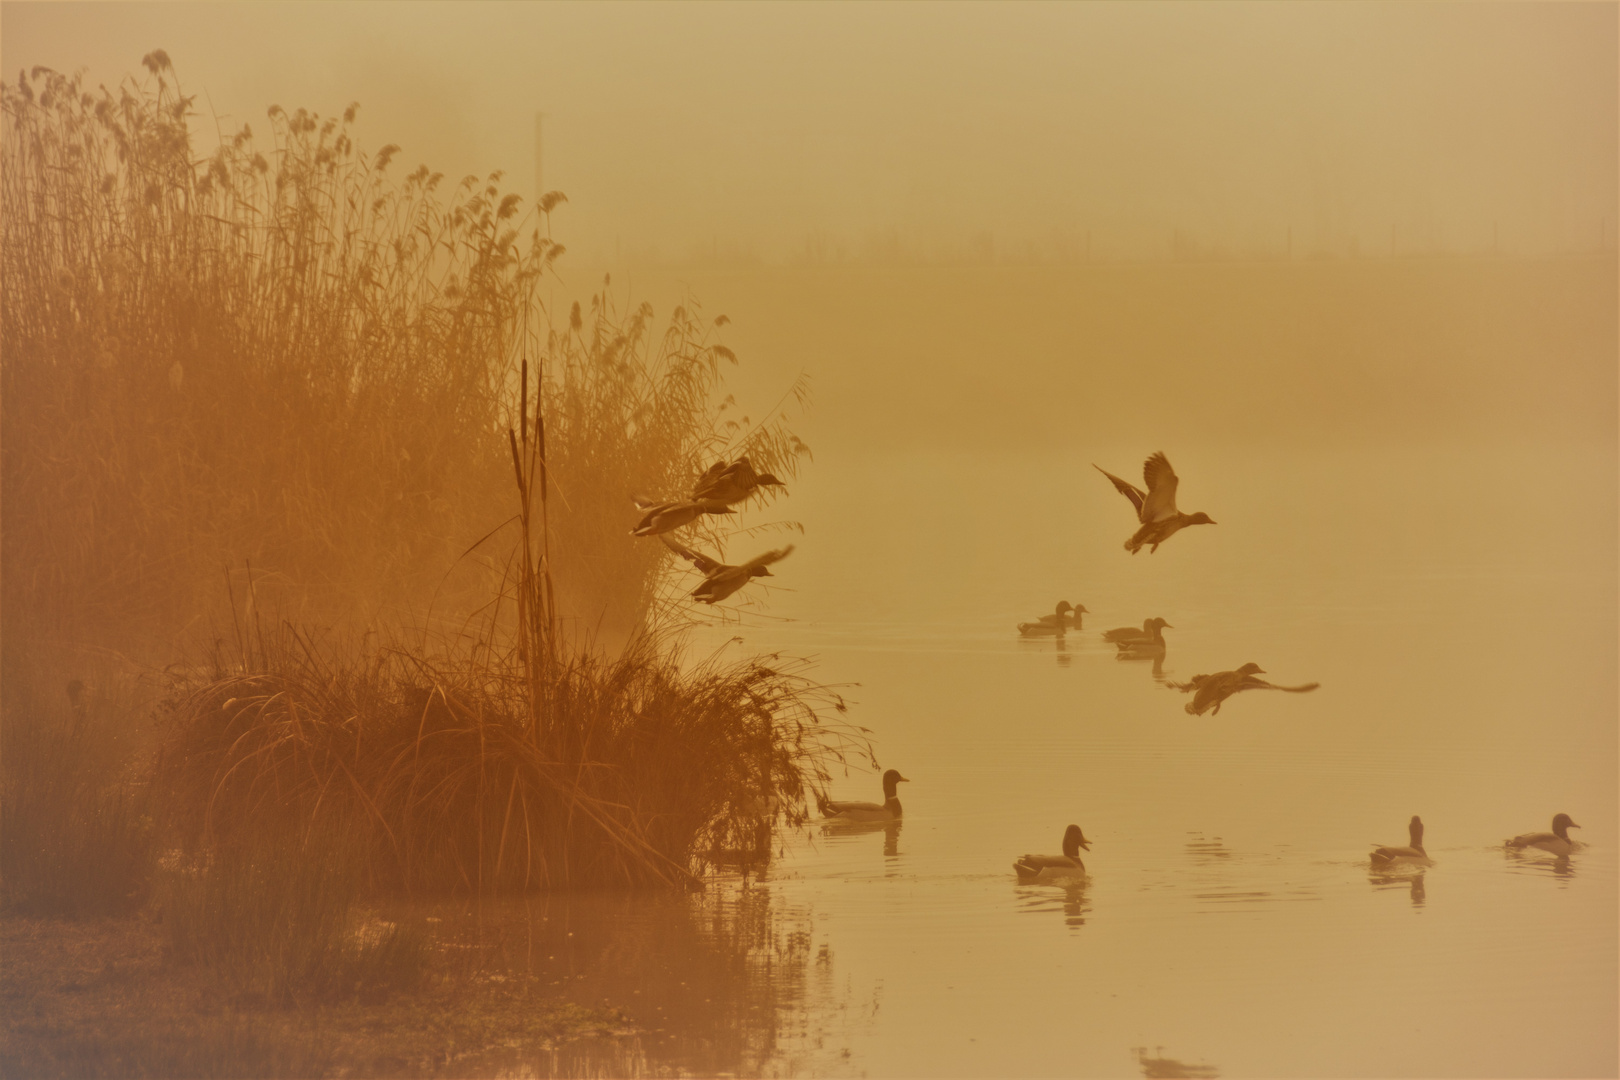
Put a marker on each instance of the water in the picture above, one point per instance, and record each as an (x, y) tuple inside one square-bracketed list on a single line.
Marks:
[(1458, 606)]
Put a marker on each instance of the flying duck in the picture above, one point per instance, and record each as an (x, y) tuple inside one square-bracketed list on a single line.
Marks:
[(887, 810), (1212, 690), (1414, 854), (728, 484), (720, 580), (1055, 623), (1144, 647), (1156, 507), (1048, 867), (1557, 842), (662, 517)]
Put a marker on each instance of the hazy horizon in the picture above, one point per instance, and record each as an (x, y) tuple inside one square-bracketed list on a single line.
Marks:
[(961, 133)]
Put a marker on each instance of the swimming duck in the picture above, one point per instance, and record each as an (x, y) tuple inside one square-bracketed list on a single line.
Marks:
[(1143, 647), (720, 580), (1414, 854), (727, 484), (662, 517), (1212, 690), (1131, 633), (887, 810), (1557, 842), (1156, 507), (1055, 623), (1048, 867)]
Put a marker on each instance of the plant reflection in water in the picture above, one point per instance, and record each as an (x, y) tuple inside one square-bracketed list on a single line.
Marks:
[(722, 981)]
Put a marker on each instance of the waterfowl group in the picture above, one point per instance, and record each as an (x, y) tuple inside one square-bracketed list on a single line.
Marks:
[(1209, 691), (1413, 854), (1155, 507), (715, 492), (1049, 867), (1065, 618), (887, 810), (720, 580), (1556, 842)]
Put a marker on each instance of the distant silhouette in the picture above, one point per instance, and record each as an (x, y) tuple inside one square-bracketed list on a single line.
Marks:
[(1216, 688), (1145, 647), (728, 484), (1412, 854), (1155, 507), (1056, 623), (887, 810), (720, 580), (1051, 867), (1167, 1068), (1121, 634), (663, 517), (1556, 842)]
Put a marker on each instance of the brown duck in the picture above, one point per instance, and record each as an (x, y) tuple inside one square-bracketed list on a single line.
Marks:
[(734, 483), (1212, 690), (1155, 507), (720, 580)]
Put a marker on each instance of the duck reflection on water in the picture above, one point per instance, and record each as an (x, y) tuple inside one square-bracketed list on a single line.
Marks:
[(1067, 896), (841, 830), (1394, 879)]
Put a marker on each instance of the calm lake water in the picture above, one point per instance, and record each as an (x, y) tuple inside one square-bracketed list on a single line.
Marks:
[(1457, 605)]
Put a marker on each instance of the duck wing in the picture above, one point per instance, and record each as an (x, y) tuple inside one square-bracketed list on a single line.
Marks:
[(831, 808), (705, 565), (1531, 839), (1252, 683), (765, 559), (1160, 503), (1044, 862), (1130, 491), (709, 476), (1126, 633)]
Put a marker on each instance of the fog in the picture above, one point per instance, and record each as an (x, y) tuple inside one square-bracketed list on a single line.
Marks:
[(955, 132)]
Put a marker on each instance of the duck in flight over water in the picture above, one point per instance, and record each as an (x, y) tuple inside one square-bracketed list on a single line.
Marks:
[(666, 516), (720, 580), (1047, 867), (1155, 507), (1414, 854), (887, 810), (1556, 842), (1216, 688)]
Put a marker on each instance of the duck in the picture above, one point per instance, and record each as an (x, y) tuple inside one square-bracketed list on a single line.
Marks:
[(887, 810), (1155, 507), (665, 516), (1212, 690), (1412, 855), (720, 580), (1144, 647), (1557, 842), (1049, 867), (1057, 622), (734, 483), (1130, 633)]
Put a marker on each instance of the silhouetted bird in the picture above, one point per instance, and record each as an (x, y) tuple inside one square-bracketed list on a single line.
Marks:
[(887, 810), (1216, 688), (1156, 507), (1142, 648), (1122, 634), (1389, 856), (1057, 622), (1557, 842), (727, 484), (662, 517), (1047, 867), (720, 580)]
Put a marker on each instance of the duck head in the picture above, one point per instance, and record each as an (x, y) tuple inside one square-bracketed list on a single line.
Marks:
[(890, 779), (768, 480), (1073, 841), (1157, 624), (1063, 608), (1200, 518), (1415, 830), (1561, 826), (1252, 668)]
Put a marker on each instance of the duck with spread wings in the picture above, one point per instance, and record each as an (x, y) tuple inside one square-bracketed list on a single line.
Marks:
[(1155, 507)]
